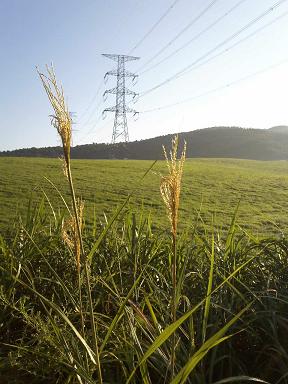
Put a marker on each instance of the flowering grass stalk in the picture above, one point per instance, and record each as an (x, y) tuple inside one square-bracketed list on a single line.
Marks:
[(170, 188), (61, 120)]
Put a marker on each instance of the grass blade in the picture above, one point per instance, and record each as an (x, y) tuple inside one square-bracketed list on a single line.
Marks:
[(214, 340)]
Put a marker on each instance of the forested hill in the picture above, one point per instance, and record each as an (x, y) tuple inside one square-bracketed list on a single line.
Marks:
[(258, 144)]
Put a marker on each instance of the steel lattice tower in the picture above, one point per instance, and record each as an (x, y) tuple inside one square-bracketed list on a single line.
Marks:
[(120, 128)]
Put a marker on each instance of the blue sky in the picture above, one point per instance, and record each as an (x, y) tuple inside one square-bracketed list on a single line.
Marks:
[(240, 82)]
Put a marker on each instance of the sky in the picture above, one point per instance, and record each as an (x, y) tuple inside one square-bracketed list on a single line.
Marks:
[(202, 63)]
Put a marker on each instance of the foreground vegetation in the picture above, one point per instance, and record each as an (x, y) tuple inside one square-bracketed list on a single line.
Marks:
[(119, 302), (131, 290), (230, 323)]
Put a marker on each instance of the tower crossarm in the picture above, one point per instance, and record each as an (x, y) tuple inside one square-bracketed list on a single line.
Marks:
[(116, 109), (123, 57), (126, 91), (114, 72)]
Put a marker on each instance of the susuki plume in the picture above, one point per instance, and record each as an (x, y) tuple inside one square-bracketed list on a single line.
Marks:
[(61, 119), (170, 185), (72, 228), (170, 188)]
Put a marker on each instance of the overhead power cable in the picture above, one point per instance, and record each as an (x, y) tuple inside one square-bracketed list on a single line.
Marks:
[(185, 70), (189, 25), (95, 125), (153, 26), (84, 135), (238, 42), (227, 85), (90, 104), (194, 38), (92, 114)]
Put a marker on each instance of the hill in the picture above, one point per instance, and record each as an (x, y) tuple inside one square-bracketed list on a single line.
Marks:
[(241, 143)]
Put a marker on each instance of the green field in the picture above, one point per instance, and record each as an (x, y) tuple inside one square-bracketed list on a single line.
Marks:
[(212, 186), (210, 304)]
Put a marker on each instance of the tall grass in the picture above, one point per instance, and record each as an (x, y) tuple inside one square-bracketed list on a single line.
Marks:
[(212, 312), (170, 188), (62, 122), (40, 314)]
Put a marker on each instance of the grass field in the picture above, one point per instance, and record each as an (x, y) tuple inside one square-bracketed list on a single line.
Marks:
[(125, 304), (212, 186)]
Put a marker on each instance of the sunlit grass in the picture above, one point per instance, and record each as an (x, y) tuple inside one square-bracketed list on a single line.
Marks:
[(212, 185)]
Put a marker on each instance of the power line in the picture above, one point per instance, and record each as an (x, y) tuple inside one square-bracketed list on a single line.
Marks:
[(233, 36), (194, 38), (238, 42), (189, 25), (154, 26), (227, 85), (95, 125), (92, 113), (92, 100), (89, 132)]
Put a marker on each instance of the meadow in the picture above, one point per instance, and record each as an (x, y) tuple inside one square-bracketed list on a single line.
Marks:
[(107, 307), (212, 187)]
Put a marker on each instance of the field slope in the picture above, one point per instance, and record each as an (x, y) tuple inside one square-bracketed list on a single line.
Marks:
[(213, 186)]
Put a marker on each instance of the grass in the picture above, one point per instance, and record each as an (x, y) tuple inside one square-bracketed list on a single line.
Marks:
[(228, 323), (231, 313), (213, 186)]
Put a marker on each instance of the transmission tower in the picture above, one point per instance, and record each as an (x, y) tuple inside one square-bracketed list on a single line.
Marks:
[(120, 128)]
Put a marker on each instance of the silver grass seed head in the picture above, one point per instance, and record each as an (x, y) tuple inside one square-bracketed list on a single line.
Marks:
[(61, 118), (170, 185)]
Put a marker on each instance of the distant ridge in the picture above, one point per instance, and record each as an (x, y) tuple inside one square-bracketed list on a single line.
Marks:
[(234, 142), (279, 129)]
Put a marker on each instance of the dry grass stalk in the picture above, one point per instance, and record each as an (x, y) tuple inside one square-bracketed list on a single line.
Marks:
[(70, 234), (170, 185), (61, 119), (170, 188)]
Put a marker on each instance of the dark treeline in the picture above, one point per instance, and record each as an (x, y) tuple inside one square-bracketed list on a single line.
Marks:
[(242, 143)]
